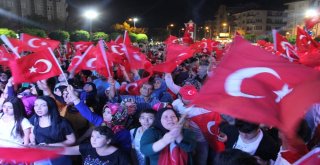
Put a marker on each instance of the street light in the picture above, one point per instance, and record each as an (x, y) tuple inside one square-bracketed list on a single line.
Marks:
[(91, 15), (168, 28), (311, 13), (225, 25), (134, 22)]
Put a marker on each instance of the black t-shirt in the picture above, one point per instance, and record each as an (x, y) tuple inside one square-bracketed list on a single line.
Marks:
[(90, 156), (49, 134)]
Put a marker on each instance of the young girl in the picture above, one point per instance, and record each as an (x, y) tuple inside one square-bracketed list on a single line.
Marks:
[(49, 128), (146, 119), (14, 127), (99, 151)]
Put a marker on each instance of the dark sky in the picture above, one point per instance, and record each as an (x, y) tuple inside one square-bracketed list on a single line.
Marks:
[(158, 13)]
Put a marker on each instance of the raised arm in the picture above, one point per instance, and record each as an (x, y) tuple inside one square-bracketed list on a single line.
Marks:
[(84, 110), (170, 84)]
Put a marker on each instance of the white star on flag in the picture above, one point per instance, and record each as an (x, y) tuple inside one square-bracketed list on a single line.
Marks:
[(32, 69)]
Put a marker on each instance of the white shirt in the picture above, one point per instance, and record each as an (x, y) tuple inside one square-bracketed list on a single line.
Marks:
[(8, 134), (250, 148)]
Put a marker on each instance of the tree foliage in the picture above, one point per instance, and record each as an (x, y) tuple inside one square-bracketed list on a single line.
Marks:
[(8, 32), (59, 35), (79, 35), (114, 35), (34, 32), (133, 37), (142, 38), (100, 35), (126, 26), (292, 39), (250, 37)]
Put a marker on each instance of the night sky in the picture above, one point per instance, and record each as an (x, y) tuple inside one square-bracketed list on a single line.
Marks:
[(158, 13)]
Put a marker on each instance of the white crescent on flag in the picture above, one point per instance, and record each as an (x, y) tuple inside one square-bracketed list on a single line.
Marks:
[(47, 63)]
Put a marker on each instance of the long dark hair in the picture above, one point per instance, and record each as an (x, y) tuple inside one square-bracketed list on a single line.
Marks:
[(157, 121), (52, 112), (18, 113)]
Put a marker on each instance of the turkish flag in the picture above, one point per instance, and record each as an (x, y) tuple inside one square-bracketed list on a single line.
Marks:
[(172, 40), (176, 54), (254, 85), (208, 122), (311, 158), (5, 56), (117, 52), (85, 61), (282, 45), (104, 60), (312, 20), (126, 38), (82, 46), (208, 44), (36, 44), (18, 45), (304, 41), (37, 66), (135, 58)]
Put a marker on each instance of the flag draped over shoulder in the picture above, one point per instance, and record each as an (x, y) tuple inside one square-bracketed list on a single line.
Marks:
[(253, 84)]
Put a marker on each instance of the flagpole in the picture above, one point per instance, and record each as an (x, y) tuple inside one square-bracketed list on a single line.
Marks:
[(82, 57), (56, 60), (104, 55), (8, 43)]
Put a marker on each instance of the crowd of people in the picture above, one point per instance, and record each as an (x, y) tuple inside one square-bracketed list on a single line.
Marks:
[(107, 121)]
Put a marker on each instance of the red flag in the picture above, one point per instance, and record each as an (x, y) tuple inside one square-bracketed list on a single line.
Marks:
[(5, 56), (126, 38), (18, 45), (311, 158), (36, 44), (282, 45), (304, 41), (119, 39), (85, 61), (208, 122), (172, 40), (254, 85), (37, 66), (312, 20), (82, 46), (28, 155), (116, 50), (176, 54), (135, 57), (104, 60)]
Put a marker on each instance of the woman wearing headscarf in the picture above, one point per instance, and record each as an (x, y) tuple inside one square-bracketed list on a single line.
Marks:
[(160, 91)]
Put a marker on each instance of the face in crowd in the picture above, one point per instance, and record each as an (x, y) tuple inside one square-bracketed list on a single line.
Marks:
[(146, 120), (169, 119), (146, 90)]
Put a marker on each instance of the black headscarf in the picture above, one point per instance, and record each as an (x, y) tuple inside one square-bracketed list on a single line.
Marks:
[(157, 122)]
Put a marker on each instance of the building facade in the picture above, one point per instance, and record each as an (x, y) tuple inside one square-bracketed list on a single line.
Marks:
[(258, 22), (295, 14), (48, 9)]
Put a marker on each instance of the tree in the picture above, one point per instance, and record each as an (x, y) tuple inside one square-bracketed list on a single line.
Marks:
[(142, 38), (8, 32), (292, 39), (250, 37), (60, 35), (34, 32), (158, 34), (100, 35), (114, 35), (79, 35), (125, 26), (133, 37)]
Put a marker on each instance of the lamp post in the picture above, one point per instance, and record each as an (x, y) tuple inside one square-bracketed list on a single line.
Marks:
[(90, 15), (225, 25), (169, 28), (134, 22)]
